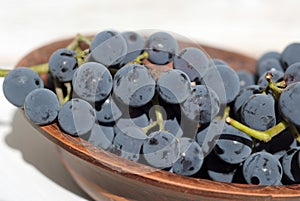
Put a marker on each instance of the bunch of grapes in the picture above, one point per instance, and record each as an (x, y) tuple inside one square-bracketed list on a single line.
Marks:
[(148, 101)]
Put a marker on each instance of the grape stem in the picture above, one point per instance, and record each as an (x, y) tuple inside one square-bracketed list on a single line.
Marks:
[(275, 89), (75, 43), (40, 69), (140, 58), (58, 91), (260, 135)]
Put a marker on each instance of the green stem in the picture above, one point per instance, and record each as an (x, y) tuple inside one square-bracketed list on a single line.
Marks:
[(4, 72), (159, 118), (149, 127), (69, 91), (260, 135), (140, 58), (58, 91), (275, 89), (41, 68), (82, 38)]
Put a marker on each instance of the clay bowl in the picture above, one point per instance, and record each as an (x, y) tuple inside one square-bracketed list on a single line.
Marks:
[(105, 176)]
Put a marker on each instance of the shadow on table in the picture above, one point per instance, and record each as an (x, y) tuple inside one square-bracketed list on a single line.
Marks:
[(41, 153)]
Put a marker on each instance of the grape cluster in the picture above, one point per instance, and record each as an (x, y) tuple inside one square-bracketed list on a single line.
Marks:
[(195, 116)]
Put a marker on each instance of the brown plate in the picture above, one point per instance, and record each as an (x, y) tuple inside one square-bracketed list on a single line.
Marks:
[(105, 176)]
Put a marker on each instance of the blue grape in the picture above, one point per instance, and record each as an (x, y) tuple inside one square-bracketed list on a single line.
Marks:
[(192, 61), (18, 83), (262, 168), (174, 86), (291, 165), (269, 65), (92, 82), (161, 149), (292, 73), (41, 106), (62, 64), (108, 112), (290, 55), (246, 78), (190, 159), (76, 117), (134, 85), (288, 103), (161, 47)]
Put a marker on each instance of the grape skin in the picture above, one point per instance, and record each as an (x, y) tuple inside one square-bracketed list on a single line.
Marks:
[(41, 106), (292, 73), (18, 83)]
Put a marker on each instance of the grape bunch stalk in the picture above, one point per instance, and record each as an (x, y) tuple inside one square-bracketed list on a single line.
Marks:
[(148, 101)]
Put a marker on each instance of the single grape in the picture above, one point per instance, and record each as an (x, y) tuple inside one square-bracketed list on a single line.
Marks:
[(190, 159), (291, 165), (134, 85), (228, 77), (128, 142), (292, 73), (268, 65), (108, 48), (92, 82), (246, 78), (108, 112), (18, 83), (135, 45), (269, 55), (258, 112), (161, 149), (76, 117), (62, 64), (41, 106), (192, 61), (262, 168), (288, 103), (290, 55), (100, 136), (174, 86), (202, 106), (161, 47)]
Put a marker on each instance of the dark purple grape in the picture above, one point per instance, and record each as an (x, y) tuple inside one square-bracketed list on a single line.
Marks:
[(161, 47), (76, 117), (289, 103), (108, 112), (202, 106), (62, 64), (174, 86), (134, 85), (92, 82), (292, 73), (190, 159), (41, 106), (246, 78), (108, 48), (258, 112), (290, 55), (268, 65), (192, 61), (262, 168), (135, 45), (161, 149), (18, 83), (291, 165)]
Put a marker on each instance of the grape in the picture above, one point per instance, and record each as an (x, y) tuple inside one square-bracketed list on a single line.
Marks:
[(101, 136), (161, 47), (134, 85), (216, 62), (269, 55), (258, 112), (76, 117), (190, 159), (289, 103), (135, 45), (92, 82), (161, 149), (290, 55), (41, 106), (292, 73), (62, 64), (202, 106), (276, 77), (243, 96), (262, 168), (269, 65), (18, 83), (291, 165), (108, 48), (192, 61), (128, 142), (246, 78), (174, 86), (233, 145), (108, 112), (229, 78)]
